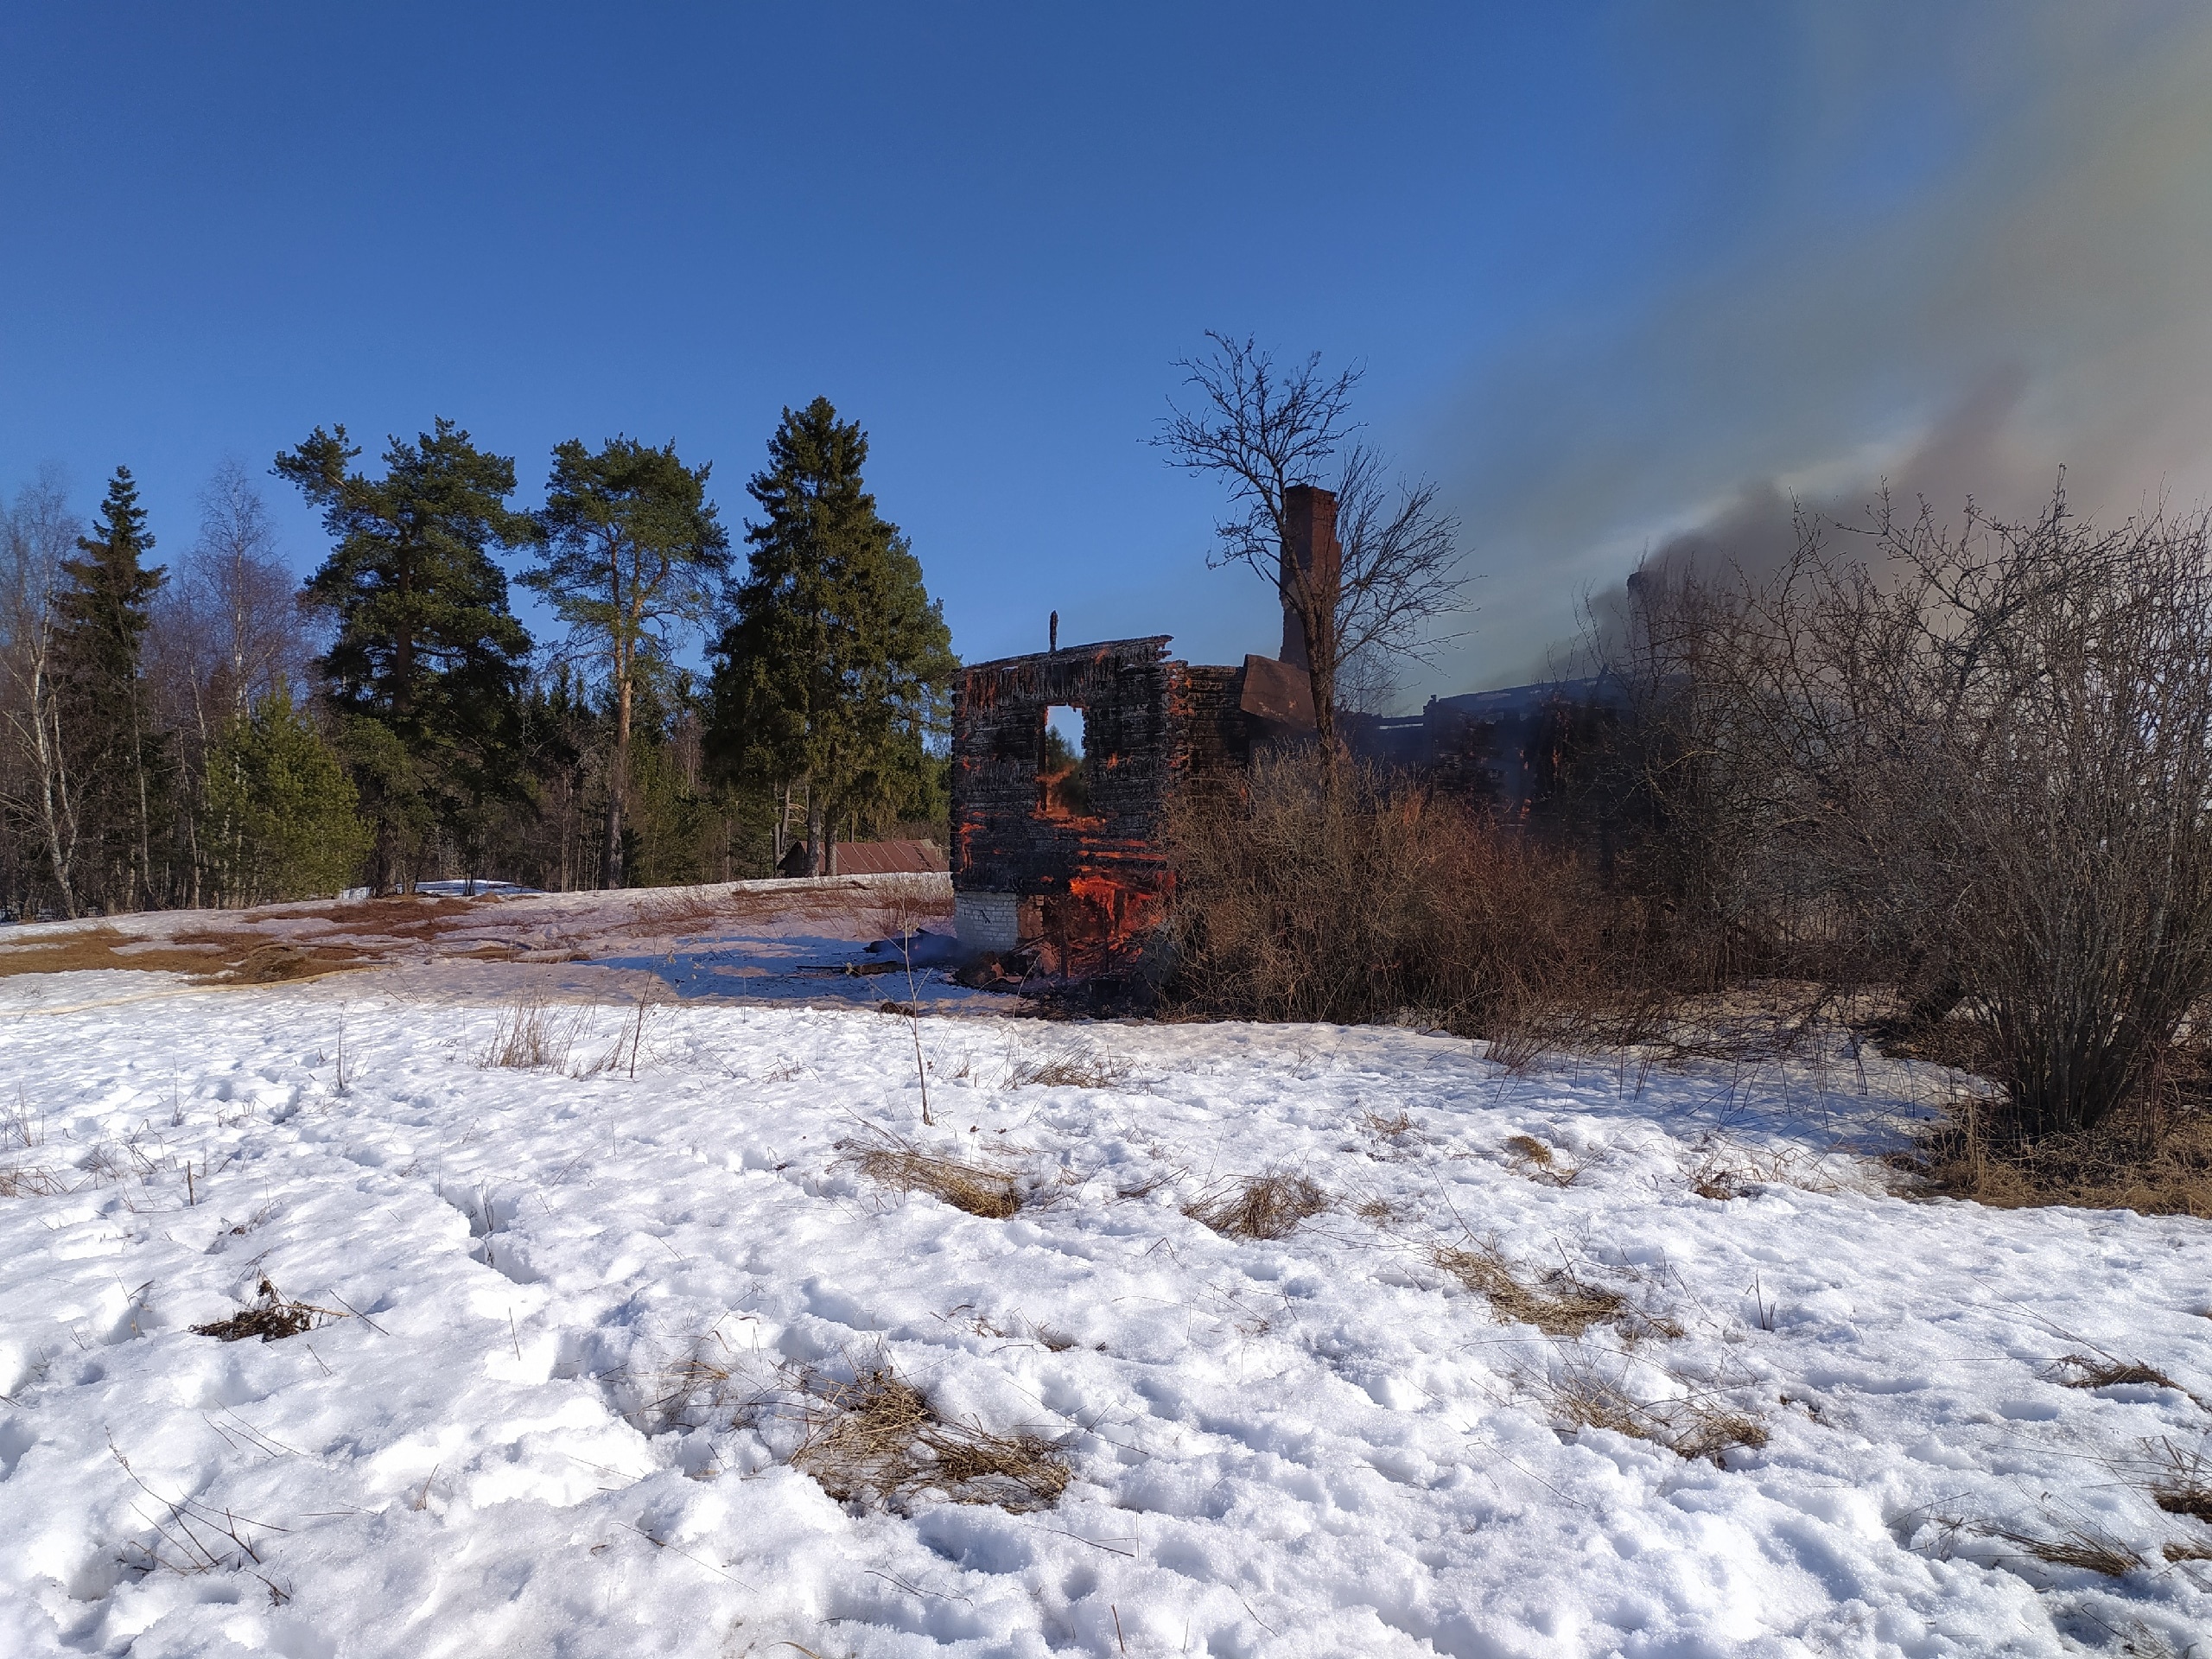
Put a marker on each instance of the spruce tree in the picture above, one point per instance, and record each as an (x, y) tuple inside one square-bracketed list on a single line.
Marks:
[(427, 661), (282, 815), (835, 670), (115, 756), (632, 548)]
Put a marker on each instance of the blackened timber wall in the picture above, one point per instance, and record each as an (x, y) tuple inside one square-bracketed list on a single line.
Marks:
[(1149, 723)]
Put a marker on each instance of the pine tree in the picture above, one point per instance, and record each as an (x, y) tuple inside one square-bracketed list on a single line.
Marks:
[(115, 756), (424, 671), (283, 819), (835, 673), (632, 548)]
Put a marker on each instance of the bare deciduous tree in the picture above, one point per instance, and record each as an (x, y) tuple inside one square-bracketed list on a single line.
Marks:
[(239, 580), (229, 632), (37, 534), (1263, 431)]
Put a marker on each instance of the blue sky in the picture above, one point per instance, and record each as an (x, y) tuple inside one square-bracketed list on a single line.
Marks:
[(1604, 266)]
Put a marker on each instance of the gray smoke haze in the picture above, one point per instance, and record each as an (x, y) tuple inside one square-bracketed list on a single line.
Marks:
[(2034, 292)]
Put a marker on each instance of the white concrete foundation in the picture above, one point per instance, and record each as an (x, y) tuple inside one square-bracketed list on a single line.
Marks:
[(988, 921)]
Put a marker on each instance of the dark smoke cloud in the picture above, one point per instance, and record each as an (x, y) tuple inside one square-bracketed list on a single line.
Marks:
[(2040, 295)]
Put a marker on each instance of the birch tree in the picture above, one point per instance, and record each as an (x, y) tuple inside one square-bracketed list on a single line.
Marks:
[(35, 535)]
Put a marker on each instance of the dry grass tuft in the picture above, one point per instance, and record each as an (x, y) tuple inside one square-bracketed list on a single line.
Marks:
[(1260, 1206), (877, 1440), (1018, 1329), (531, 1035), (1558, 1304), (980, 1189), (2080, 1547), (2099, 1369), (1145, 1185), (271, 1318), (21, 1133), (1539, 1162), (2103, 1370), (28, 1181), (1583, 1394), (2182, 1483), (2154, 1167), (1070, 1069)]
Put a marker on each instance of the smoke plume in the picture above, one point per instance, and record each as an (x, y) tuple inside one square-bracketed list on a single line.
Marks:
[(2018, 282)]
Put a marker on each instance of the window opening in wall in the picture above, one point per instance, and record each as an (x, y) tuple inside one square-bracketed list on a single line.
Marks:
[(1063, 774)]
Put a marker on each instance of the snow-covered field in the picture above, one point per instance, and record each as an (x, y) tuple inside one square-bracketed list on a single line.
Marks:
[(554, 1413)]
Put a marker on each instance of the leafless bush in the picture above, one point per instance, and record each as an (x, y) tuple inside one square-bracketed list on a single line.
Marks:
[(1260, 1206), (1346, 897), (1976, 764)]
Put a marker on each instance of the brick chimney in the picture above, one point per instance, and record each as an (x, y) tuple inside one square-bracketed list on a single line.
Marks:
[(1310, 537)]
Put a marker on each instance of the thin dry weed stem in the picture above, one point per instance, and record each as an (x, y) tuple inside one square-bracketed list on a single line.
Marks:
[(190, 1537)]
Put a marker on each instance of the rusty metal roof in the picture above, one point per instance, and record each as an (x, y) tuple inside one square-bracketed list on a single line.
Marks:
[(890, 858)]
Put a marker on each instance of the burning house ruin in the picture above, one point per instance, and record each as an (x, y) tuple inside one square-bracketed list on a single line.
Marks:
[(1059, 847)]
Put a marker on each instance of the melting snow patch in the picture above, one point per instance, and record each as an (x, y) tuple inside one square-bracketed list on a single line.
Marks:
[(1158, 1339)]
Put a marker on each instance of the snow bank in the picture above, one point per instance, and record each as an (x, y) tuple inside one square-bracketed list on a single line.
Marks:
[(530, 1430)]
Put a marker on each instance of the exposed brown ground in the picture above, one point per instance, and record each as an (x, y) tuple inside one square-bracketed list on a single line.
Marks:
[(300, 941), (239, 957)]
